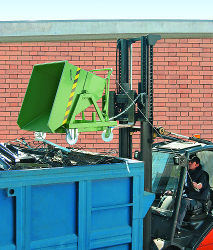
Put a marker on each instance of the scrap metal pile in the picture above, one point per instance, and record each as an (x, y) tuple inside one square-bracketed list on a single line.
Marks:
[(22, 155)]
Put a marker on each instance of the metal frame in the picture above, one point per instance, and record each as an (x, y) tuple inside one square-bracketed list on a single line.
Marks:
[(145, 104)]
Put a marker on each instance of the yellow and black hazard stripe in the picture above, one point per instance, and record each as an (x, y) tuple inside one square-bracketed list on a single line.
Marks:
[(71, 96)]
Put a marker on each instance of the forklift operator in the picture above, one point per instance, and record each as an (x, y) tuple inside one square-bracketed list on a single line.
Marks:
[(195, 191)]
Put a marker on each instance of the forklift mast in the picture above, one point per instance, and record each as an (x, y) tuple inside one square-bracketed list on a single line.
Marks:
[(125, 94), (144, 112), (122, 99)]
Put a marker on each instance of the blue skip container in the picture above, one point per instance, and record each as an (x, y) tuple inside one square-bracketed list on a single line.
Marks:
[(84, 207)]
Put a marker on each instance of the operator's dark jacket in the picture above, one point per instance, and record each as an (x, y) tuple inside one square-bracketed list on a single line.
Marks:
[(199, 176)]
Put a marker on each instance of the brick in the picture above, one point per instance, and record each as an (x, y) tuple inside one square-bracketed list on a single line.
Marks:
[(160, 68), (184, 82), (100, 53), (158, 55), (172, 68), (4, 114), (195, 49), (207, 86), (2, 53), (206, 59), (171, 58), (206, 63), (172, 63), (195, 68), (206, 54), (194, 58), (184, 62), (171, 54), (185, 91), (173, 123), (172, 77), (173, 49), (4, 58), (88, 49), (183, 68), (4, 67), (99, 58), (13, 81), (186, 100), (207, 77), (194, 40), (195, 77), (205, 81), (183, 50), (188, 45), (26, 58)]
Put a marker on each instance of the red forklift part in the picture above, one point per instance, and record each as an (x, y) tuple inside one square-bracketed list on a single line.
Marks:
[(207, 243)]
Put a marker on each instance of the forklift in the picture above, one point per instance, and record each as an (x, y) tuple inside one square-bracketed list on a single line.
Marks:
[(170, 162), (166, 162)]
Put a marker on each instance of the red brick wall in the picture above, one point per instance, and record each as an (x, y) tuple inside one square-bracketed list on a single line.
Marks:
[(182, 84)]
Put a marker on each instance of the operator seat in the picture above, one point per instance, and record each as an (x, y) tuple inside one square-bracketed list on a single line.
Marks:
[(200, 213)]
